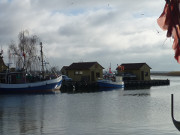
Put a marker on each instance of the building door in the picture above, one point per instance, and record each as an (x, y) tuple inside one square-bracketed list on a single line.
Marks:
[(142, 75), (92, 76)]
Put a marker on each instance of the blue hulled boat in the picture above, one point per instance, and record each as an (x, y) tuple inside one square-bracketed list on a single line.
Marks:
[(110, 83), (46, 86), (23, 80)]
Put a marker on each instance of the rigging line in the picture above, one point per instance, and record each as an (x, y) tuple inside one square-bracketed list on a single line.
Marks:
[(47, 60), (53, 61), (51, 67)]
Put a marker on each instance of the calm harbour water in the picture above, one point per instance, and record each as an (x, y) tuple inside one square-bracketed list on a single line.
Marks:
[(117, 112)]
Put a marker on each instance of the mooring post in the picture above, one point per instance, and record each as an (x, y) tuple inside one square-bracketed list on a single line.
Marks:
[(172, 106), (175, 122)]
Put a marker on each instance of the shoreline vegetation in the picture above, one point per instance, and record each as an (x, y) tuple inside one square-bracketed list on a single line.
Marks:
[(171, 73)]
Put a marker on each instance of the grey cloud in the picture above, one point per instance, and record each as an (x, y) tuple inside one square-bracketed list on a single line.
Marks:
[(104, 31), (71, 30), (102, 18)]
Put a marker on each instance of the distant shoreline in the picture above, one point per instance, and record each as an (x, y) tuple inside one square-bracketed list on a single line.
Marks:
[(172, 73)]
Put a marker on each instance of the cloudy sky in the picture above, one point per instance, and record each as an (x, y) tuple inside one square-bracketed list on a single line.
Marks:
[(106, 31)]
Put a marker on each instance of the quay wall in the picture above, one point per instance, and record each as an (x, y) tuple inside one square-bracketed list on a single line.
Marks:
[(146, 83), (73, 87)]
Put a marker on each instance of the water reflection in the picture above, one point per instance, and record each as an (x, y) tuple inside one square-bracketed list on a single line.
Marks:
[(126, 112), (18, 114), (138, 88), (91, 113), (1, 121), (83, 113), (137, 93), (93, 90)]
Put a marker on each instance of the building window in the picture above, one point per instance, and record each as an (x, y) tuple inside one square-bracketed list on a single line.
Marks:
[(78, 72), (146, 74), (98, 74)]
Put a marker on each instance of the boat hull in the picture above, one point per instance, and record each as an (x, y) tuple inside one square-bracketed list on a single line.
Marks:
[(110, 84), (48, 86)]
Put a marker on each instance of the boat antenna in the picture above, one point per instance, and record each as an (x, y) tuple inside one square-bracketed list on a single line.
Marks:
[(110, 69), (42, 60)]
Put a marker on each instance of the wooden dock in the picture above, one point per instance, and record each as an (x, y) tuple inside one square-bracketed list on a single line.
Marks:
[(79, 87), (132, 83)]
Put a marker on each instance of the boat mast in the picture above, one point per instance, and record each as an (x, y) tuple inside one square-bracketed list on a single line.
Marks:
[(42, 60), (23, 54)]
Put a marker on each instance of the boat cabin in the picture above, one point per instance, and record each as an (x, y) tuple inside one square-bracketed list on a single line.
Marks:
[(12, 77)]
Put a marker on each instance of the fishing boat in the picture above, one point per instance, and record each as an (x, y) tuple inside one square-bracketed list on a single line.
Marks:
[(111, 83), (110, 80), (46, 86), (23, 81)]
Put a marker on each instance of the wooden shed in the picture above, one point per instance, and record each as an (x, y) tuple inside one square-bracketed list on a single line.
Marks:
[(63, 70), (140, 70), (85, 71), (3, 67)]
